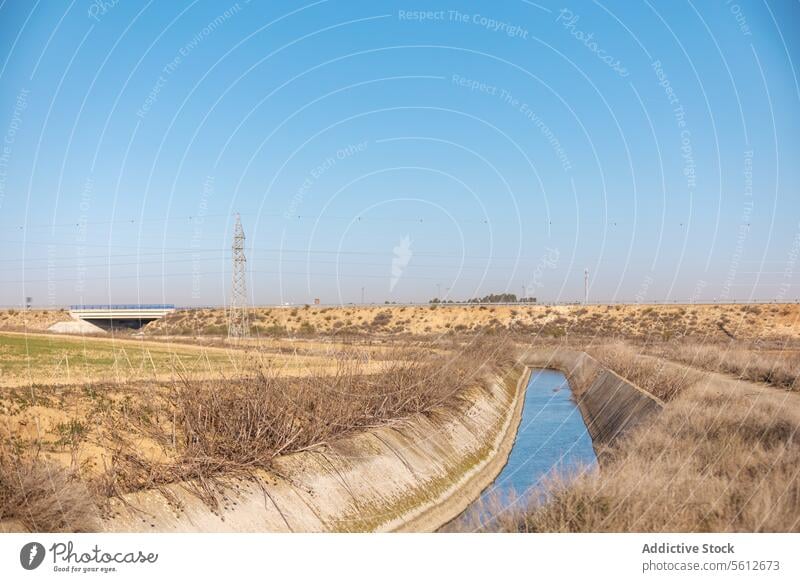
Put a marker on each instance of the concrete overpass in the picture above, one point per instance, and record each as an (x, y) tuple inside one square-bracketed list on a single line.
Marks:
[(118, 316)]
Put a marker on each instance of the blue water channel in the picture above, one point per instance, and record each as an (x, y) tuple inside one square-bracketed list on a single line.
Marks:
[(552, 437)]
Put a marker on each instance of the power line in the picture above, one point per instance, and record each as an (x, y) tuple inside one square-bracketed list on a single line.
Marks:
[(293, 218), (112, 264), (109, 257), (388, 252), (82, 223), (215, 273)]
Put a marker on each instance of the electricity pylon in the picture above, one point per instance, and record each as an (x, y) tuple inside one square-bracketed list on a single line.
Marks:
[(238, 326), (586, 286)]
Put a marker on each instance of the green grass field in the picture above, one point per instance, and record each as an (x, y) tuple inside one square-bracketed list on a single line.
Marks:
[(43, 359)]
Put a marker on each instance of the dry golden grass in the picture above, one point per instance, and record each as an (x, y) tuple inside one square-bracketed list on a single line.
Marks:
[(31, 320), (648, 374), (780, 368), (42, 495), (712, 461)]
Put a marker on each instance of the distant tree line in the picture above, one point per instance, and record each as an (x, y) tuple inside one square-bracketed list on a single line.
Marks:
[(491, 298)]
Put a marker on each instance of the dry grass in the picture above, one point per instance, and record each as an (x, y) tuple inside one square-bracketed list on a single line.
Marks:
[(778, 368), (43, 496), (711, 462), (652, 375), (31, 320)]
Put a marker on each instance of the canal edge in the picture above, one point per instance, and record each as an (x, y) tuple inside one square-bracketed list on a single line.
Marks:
[(472, 484)]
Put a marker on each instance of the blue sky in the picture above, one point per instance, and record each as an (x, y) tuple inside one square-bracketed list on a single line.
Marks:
[(408, 149)]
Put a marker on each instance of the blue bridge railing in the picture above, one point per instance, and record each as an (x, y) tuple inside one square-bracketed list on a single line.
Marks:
[(128, 306)]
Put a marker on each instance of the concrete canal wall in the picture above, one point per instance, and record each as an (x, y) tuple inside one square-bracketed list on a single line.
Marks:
[(414, 475), (610, 404)]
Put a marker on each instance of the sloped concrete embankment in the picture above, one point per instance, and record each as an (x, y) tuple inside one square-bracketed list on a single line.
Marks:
[(412, 476), (611, 405)]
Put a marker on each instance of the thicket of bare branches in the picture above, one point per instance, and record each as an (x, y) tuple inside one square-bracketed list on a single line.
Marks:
[(215, 428)]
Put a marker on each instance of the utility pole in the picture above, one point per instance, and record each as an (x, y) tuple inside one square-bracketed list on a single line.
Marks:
[(362, 296), (586, 286), (238, 326)]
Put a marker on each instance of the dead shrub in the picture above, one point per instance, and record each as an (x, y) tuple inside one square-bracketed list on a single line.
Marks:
[(381, 318), (211, 429), (43, 496)]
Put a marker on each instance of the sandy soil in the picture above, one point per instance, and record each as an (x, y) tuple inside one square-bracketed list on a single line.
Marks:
[(33, 320)]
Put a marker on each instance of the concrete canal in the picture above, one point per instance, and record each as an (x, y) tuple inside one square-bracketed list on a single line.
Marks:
[(552, 437)]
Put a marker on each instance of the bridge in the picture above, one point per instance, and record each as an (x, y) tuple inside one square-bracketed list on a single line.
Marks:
[(117, 316)]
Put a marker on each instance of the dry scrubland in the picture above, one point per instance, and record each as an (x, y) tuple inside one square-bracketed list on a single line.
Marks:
[(140, 413), (77, 446), (665, 322), (33, 320)]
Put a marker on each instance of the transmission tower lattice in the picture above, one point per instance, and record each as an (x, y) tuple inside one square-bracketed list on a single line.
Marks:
[(237, 322), (586, 286)]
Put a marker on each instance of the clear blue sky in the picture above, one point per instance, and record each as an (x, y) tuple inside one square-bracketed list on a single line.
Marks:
[(479, 147)]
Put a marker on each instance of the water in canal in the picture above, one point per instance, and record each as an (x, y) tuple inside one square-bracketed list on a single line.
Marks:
[(551, 438)]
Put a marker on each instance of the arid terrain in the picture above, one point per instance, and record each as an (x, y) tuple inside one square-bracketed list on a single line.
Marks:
[(706, 322), (632, 321), (99, 417)]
